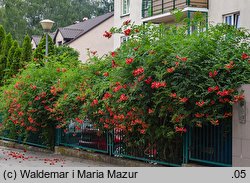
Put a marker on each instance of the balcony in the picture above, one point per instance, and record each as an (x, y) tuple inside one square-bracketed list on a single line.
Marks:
[(153, 8)]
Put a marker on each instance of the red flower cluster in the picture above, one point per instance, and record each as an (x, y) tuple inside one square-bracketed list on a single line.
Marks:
[(199, 115), (123, 98), (106, 96), (227, 114), (54, 90), (106, 74), (150, 111), (173, 95), (180, 129), (200, 104), (212, 89), (138, 71), (238, 98), (223, 93), (184, 100), (230, 65), (79, 120), (170, 70), (107, 34), (114, 64), (127, 32), (244, 56), (117, 88), (149, 80), (113, 53), (95, 102), (129, 60), (33, 87), (214, 122), (158, 85), (184, 59), (213, 74), (126, 22), (140, 78)]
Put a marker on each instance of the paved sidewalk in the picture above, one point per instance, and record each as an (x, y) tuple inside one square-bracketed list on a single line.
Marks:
[(10, 157)]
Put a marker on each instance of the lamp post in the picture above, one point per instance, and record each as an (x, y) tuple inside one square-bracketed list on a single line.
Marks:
[(47, 25)]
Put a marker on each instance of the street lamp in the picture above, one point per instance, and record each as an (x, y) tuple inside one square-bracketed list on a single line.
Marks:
[(47, 25)]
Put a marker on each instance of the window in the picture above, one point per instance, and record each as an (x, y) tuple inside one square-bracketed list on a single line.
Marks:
[(232, 19), (59, 43), (124, 39), (125, 7)]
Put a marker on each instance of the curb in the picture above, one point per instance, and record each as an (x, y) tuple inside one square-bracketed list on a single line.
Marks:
[(89, 155), (10, 144)]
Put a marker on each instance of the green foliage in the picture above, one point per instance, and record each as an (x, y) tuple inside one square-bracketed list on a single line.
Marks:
[(10, 59), (2, 36), (7, 43), (26, 56), (66, 55), (155, 85), (16, 66)]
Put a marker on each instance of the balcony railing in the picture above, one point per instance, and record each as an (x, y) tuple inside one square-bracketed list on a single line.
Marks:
[(156, 7)]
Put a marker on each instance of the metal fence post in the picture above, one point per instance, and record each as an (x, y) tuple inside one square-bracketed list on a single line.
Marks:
[(58, 137), (110, 142)]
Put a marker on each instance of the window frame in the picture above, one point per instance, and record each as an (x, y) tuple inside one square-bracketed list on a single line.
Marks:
[(234, 19), (123, 3), (124, 39)]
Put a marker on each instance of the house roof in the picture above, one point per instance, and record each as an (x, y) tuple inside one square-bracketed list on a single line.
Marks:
[(73, 32), (37, 38), (68, 33)]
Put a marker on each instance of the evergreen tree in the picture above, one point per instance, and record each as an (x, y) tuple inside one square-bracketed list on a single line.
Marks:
[(10, 59), (41, 48), (7, 43), (26, 51), (15, 66), (2, 36)]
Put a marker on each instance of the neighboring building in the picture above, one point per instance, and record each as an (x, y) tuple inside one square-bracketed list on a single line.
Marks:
[(35, 40), (233, 12), (126, 10), (87, 34)]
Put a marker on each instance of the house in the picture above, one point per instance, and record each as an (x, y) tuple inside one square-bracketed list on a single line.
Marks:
[(87, 35), (35, 40), (232, 12), (234, 149)]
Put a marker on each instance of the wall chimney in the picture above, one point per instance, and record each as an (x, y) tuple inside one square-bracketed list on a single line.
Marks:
[(84, 19)]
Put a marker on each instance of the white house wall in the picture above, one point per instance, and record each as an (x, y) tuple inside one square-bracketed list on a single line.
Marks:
[(33, 44), (218, 8), (59, 38), (135, 16), (95, 41)]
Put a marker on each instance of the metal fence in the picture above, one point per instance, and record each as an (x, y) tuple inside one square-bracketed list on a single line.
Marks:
[(163, 151), (118, 144), (86, 137), (33, 139), (211, 144)]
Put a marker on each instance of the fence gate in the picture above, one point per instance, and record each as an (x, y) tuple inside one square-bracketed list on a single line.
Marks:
[(211, 144)]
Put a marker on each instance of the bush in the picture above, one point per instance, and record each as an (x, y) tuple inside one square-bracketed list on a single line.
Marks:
[(154, 86)]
